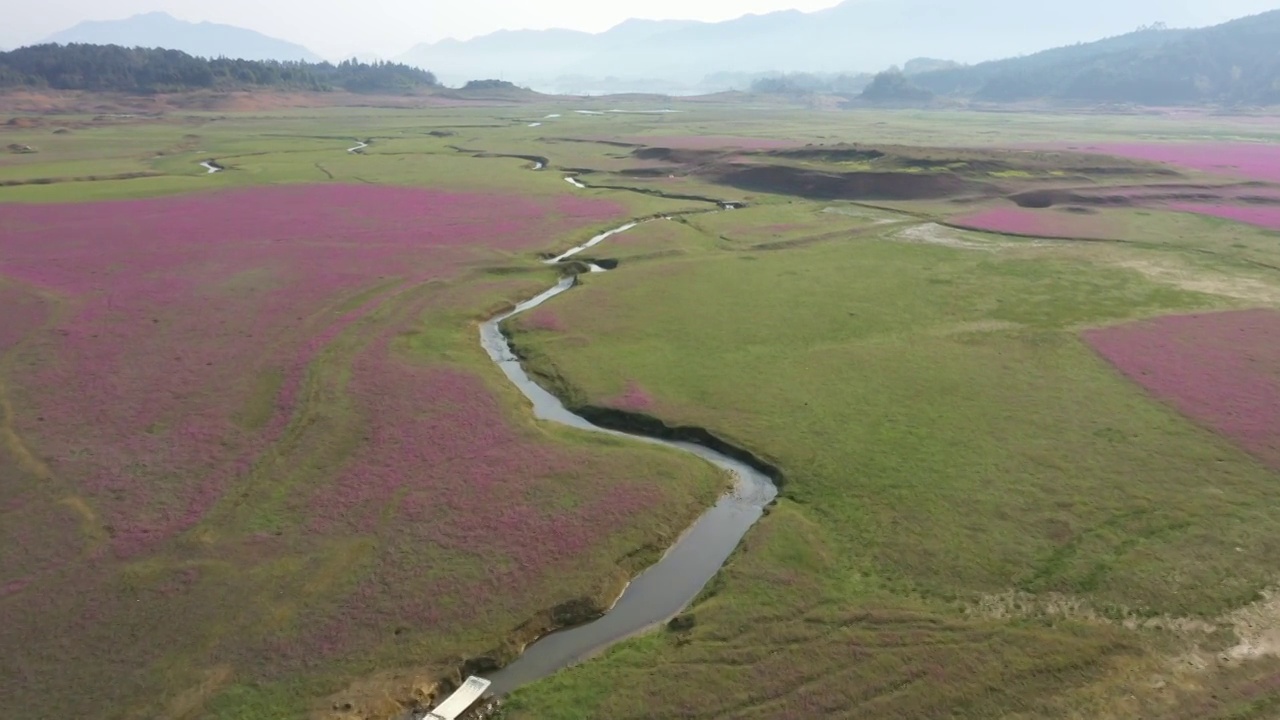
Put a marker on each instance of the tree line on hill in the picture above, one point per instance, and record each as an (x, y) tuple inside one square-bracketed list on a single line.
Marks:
[(1231, 64), (153, 70), (473, 85), (845, 84), (810, 83)]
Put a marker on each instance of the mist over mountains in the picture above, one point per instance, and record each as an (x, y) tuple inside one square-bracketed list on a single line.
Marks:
[(855, 36), (986, 50)]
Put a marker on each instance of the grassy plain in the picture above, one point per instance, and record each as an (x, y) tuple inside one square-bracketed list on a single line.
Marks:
[(981, 518)]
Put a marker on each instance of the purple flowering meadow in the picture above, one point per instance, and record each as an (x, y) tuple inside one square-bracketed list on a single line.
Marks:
[(1220, 369), (171, 309)]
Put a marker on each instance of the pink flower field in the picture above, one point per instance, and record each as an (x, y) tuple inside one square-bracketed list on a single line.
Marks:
[(1222, 370), (1255, 161), (175, 309), (1262, 216), (1049, 223), (256, 457), (464, 485)]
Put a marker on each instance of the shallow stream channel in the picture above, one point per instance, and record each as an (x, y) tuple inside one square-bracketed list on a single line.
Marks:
[(665, 589)]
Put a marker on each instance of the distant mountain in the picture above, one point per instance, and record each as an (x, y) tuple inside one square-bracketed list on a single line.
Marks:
[(205, 39), (855, 36), (531, 54), (1233, 63)]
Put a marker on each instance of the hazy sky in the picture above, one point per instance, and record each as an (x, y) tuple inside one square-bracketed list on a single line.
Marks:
[(336, 28), (388, 27)]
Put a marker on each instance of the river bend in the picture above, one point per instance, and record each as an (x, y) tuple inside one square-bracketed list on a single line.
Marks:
[(666, 588)]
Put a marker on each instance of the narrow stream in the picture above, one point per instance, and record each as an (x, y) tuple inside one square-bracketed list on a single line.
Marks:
[(594, 242), (665, 589)]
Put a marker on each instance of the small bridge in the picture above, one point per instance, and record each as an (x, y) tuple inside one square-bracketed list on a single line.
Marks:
[(461, 701)]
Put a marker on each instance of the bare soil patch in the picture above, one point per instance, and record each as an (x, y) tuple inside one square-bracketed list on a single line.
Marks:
[(24, 122), (713, 142), (1257, 627), (850, 186), (1196, 280), (935, 234)]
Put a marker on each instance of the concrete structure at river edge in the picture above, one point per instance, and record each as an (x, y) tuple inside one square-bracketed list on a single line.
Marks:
[(461, 700)]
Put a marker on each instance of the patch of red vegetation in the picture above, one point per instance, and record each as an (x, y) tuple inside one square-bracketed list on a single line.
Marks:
[(1256, 161), (177, 304), (1048, 223), (13, 587), (634, 398), (1221, 369), (543, 318), (1267, 217)]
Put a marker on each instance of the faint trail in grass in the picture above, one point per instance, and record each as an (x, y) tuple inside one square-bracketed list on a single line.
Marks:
[(818, 238), (1062, 565), (27, 460), (89, 522), (17, 448), (253, 495), (190, 702)]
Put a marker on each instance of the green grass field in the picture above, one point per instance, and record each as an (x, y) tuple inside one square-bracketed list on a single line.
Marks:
[(980, 517)]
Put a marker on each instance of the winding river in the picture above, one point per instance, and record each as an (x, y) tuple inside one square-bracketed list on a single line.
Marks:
[(668, 587)]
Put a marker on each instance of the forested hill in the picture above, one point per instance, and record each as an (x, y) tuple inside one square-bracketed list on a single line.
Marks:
[(152, 70), (1234, 63)]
